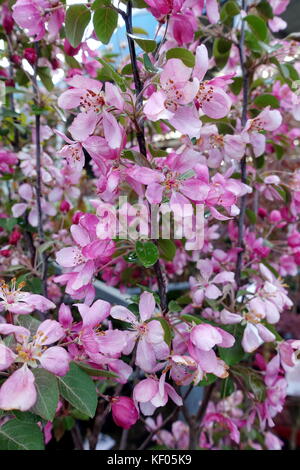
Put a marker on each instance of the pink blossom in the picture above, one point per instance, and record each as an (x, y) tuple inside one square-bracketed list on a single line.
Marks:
[(14, 300), (150, 334), (152, 393), (18, 391), (205, 284)]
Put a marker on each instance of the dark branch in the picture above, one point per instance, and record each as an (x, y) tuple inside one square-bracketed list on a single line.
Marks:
[(243, 161)]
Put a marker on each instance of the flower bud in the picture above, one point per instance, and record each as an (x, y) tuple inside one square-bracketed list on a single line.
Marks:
[(14, 237), (124, 412), (7, 22), (30, 55), (64, 206), (262, 212), (275, 217)]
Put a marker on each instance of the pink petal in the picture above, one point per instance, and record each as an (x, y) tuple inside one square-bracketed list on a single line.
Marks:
[(145, 357), (122, 313), (55, 360), (18, 391), (49, 332), (201, 65), (83, 125), (145, 390), (146, 306)]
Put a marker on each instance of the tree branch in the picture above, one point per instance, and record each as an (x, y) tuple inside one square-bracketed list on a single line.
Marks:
[(38, 186), (162, 288), (243, 164)]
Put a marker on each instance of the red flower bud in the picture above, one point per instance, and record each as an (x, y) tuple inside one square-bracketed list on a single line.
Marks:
[(5, 253), (7, 22), (16, 59), (262, 212), (14, 237), (30, 55)]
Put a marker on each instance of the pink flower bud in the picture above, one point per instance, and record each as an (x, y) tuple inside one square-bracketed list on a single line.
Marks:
[(275, 217), (294, 239), (30, 55), (124, 412), (65, 206)]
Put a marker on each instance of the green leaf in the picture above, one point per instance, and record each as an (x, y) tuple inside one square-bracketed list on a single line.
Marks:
[(253, 380), (105, 22), (8, 223), (221, 51), (47, 394), (259, 162), (173, 306), (265, 10), (227, 387), (208, 380), (236, 353), (229, 10), (26, 416), (251, 216), (148, 64), (167, 330), (72, 62), (96, 372), (258, 26), (167, 249), (77, 19), (148, 45), (237, 85), (100, 3), (191, 318), (45, 76), (19, 435), (110, 74), (147, 253), (266, 99), (28, 322), (183, 54), (138, 30), (78, 389)]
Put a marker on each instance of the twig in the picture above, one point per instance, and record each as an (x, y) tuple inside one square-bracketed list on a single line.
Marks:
[(243, 161), (163, 424), (141, 134), (38, 187), (124, 437)]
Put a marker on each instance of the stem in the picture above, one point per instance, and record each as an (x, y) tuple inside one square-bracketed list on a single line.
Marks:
[(140, 134), (163, 424), (38, 187), (124, 438), (243, 161)]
